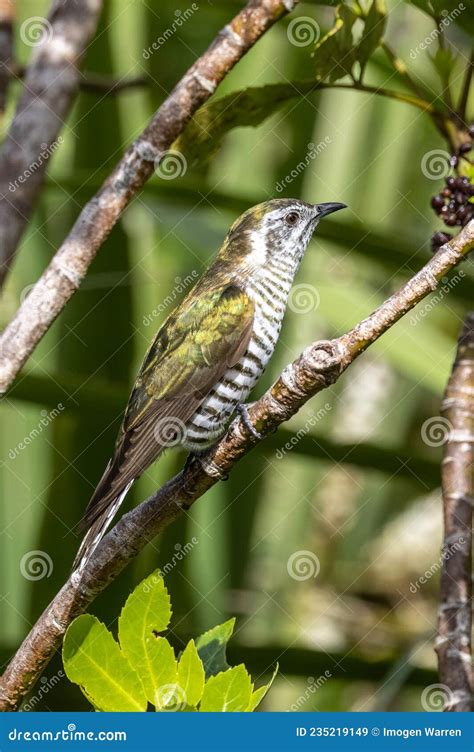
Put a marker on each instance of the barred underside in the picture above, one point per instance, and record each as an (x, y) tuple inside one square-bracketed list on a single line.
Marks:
[(269, 291)]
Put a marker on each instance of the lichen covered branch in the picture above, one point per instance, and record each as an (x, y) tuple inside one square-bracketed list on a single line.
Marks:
[(70, 264), (319, 366), (50, 84), (453, 644)]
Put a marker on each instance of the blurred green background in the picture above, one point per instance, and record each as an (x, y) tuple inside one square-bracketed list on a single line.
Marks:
[(356, 496)]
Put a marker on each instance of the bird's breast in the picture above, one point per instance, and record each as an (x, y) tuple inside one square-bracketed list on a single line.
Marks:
[(269, 294)]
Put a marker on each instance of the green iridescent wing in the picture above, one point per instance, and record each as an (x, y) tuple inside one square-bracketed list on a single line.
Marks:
[(194, 348)]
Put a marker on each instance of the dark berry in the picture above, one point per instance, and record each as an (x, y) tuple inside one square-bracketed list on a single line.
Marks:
[(439, 238), (446, 192), (471, 130), (450, 220), (454, 161), (465, 148), (450, 181), (437, 202), (463, 212), (459, 197)]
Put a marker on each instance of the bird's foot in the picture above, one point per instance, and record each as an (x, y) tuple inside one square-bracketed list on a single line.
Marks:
[(242, 410)]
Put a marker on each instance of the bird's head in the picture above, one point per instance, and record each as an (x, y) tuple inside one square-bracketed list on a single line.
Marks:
[(279, 229)]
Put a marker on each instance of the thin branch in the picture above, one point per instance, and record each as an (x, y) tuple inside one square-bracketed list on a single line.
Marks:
[(69, 266), (319, 366), (96, 83), (453, 644), (50, 84), (7, 14)]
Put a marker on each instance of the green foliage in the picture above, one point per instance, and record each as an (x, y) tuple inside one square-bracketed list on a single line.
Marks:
[(141, 668), (337, 52)]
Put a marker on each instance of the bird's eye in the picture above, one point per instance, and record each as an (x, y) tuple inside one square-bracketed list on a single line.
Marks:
[(291, 218)]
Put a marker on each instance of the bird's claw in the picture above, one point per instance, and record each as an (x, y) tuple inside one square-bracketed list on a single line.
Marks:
[(207, 464), (242, 410)]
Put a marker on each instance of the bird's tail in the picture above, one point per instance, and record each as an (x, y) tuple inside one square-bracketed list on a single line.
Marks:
[(97, 530)]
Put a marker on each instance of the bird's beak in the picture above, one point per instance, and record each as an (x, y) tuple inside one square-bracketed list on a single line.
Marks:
[(323, 209)]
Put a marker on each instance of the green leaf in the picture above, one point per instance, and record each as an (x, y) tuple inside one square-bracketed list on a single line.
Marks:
[(227, 692), (211, 647), (203, 135), (444, 62), (335, 52), (372, 34), (146, 612), (448, 12), (94, 660), (258, 695), (191, 674)]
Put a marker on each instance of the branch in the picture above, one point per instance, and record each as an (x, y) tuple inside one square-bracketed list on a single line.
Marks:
[(7, 14), (453, 644), (96, 83), (318, 367), (51, 82), (69, 266)]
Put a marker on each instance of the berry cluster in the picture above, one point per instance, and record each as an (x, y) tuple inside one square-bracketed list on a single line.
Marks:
[(453, 203)]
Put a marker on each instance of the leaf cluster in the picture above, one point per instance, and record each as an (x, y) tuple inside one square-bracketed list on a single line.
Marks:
[(142, 670)]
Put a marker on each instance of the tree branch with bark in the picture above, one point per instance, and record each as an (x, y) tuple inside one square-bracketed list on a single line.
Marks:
[(453, 644), (319, 366), (50, 84), (69, 266)]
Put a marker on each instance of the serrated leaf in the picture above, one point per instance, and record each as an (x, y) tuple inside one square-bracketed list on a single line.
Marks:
[(372, 34), (335, 52), (258, 694), (94, 660), (191, 674), (227, 692), (146, 612), (211, 647)]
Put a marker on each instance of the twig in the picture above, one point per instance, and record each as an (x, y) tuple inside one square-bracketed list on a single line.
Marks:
[(50, 84), (319, 366), (69, 266), (7, 13), (96, 83), (453, 644)]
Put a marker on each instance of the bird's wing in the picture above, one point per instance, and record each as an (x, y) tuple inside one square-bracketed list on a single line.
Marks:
[(191, 352)]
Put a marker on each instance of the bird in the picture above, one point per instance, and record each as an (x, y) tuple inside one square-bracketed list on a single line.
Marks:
[(209, 353)]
